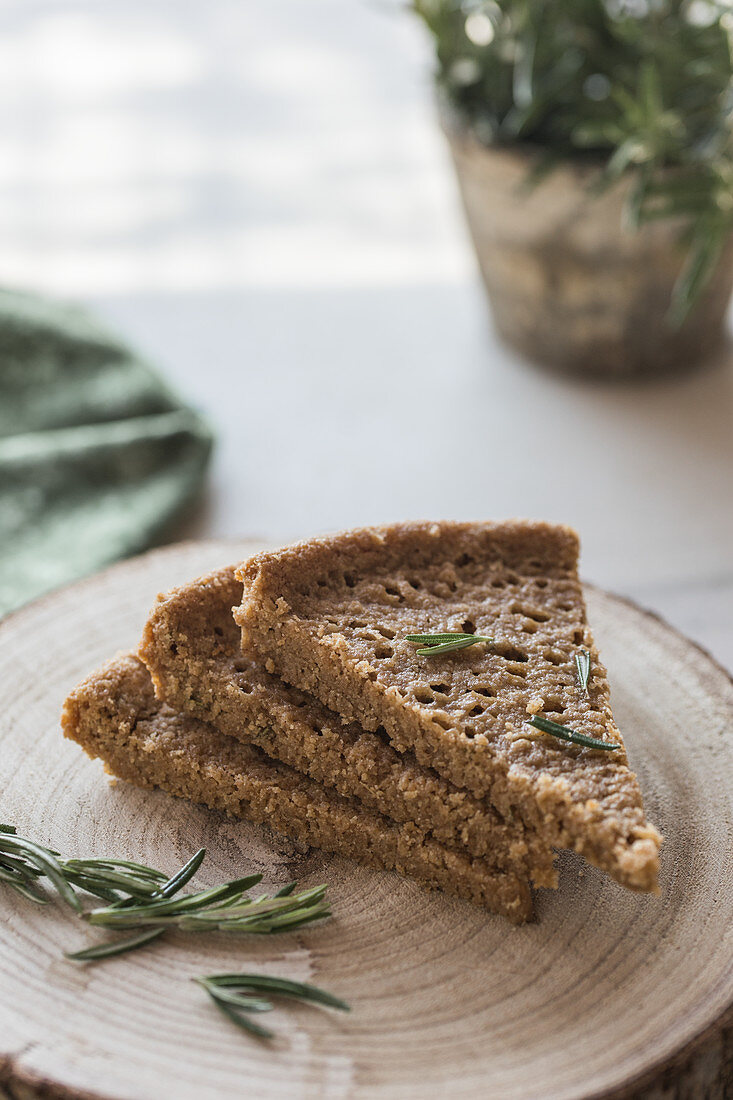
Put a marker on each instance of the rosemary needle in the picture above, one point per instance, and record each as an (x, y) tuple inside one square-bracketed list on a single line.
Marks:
[(36, 860), (21, 883), (582, 665), (433, 645), (115, 947), (186, 873), (566, 734), (235, 995)]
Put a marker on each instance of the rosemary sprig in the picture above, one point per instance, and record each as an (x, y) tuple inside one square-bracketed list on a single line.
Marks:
[(433, 645), (117, 881), (236, 995), (146, 902), (222, 908), (582, 665), (566, 734)]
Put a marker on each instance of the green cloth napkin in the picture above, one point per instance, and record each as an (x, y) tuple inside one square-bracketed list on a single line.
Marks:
[(97, 455)]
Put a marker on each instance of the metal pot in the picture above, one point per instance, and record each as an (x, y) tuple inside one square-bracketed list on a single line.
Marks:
[(567, 284)]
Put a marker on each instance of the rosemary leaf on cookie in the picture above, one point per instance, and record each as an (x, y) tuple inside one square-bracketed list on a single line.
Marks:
[(566, 734), (582, 665), (433, 645)]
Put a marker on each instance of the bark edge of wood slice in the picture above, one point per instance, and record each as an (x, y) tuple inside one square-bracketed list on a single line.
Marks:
[(608, 995)]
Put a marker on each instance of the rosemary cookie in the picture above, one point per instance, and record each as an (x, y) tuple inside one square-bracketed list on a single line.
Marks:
[(513, 705)]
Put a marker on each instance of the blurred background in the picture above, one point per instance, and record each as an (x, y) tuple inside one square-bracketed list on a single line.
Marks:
[(258, 198)]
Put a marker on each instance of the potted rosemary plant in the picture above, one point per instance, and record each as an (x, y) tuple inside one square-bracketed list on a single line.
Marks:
[(592, 143)]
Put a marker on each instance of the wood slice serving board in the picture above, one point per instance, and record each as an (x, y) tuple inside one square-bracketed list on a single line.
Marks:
[(608, 994)]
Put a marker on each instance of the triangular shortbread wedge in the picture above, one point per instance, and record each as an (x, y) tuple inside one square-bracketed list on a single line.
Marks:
[(114, 715), (192, 648), (331, 616)]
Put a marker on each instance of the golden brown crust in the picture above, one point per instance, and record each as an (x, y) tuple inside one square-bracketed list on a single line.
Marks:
[(191, 646), (330, 616), (114, 715)]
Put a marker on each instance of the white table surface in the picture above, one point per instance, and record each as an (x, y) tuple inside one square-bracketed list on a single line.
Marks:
[(256, 194)]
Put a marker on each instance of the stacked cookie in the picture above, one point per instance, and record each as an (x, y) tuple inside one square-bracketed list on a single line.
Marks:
[(288, 691)]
